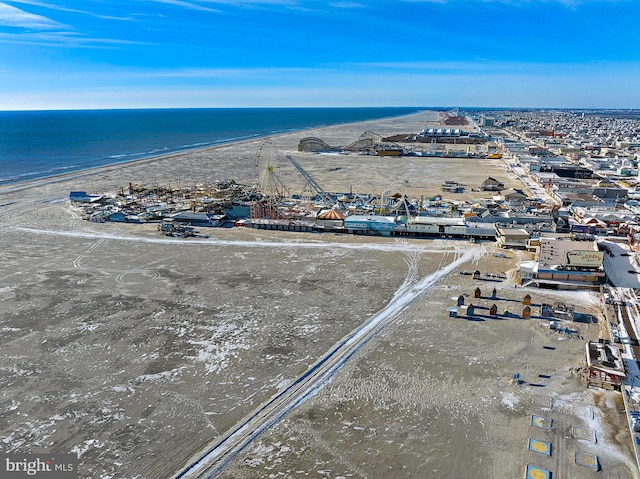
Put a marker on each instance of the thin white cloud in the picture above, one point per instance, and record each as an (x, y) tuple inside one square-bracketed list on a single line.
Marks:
[(182, 75), (188, 5), (338, 72), (62, 39), (380, 68), (62, 8), (567, 3), (543, 86), (429, 65), (32, 29), (346, 5), (255, 2), (14, 17), (478, 66), (300, 5), (522, 91), (314, 5), (225, 72)]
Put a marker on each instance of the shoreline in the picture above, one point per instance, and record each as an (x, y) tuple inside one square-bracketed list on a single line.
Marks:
[(12, 186), (27, 184)]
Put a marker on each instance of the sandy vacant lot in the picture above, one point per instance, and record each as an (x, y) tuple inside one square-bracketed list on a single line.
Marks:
[(135, 350)]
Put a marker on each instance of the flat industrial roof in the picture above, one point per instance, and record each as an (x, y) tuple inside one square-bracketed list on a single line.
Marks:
[(438, 220)]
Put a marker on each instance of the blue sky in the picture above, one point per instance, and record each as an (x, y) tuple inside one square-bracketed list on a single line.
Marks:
[(216, 53)]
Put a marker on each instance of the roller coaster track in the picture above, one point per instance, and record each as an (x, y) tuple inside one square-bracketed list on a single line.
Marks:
[(324, 196)]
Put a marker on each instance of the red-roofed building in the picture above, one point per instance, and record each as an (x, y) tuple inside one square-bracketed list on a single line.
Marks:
[(330, 219)]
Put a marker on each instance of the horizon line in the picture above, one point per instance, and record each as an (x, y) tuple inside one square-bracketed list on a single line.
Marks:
[(417, 107)]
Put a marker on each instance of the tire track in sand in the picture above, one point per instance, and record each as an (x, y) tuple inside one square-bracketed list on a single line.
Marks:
[(77, 263), (218, 454)]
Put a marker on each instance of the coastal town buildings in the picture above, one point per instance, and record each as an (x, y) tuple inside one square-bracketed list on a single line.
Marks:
[(578, 169), (573, 219), (605, 365), (562, 261), (579, 172)]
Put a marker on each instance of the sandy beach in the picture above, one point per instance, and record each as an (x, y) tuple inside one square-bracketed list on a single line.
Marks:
[(136, 351)]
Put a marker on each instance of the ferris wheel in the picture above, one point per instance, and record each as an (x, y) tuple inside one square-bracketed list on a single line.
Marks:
[(268, 164)]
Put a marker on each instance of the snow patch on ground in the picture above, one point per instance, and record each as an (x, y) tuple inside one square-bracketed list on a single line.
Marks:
[(581, 404), (86, 445), (165, 375), (509, 400), (283, 384), (8, 292), (88, 327), (217, 355)]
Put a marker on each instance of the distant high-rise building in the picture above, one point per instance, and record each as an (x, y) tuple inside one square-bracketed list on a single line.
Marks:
[(488, 121)]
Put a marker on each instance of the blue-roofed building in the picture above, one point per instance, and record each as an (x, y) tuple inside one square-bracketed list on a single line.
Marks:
[(83, 197), (370, 224)]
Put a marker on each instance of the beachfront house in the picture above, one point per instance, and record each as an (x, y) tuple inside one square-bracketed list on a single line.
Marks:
[(512, 237), (491, 184), (514, 196)]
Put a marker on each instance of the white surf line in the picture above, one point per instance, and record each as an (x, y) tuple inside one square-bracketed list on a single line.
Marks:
[(245, 243), (218, 455)]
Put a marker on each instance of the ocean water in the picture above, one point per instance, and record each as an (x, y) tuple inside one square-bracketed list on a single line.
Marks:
[(40, 144)]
